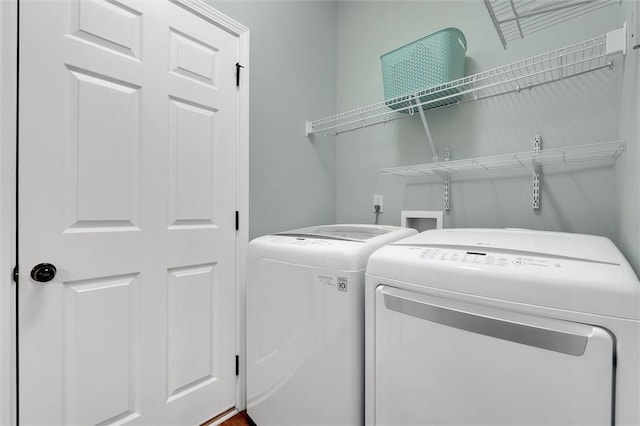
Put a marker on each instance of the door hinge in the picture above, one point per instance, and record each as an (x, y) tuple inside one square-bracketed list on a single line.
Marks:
[(237, 365), (238, 66), (237, 220), (16, 274)]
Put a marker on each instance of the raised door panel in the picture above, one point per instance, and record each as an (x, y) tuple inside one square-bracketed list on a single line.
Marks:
[(100, 334), (192, 130), (193, 59), (103, 153), (191, 338), (109, 25)]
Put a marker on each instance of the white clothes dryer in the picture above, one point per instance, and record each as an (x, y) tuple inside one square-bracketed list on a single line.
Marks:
[(501, 327), (305, 323)]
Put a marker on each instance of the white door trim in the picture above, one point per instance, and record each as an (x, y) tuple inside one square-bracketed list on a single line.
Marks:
[(8, 169), (207, 12), (8, 102)]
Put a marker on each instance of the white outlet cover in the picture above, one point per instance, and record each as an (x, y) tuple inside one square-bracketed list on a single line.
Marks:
[(378, 200)]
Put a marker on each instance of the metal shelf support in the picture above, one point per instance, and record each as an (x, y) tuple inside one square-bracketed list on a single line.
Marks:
[(447, 157), (434, 152), (537, 170)]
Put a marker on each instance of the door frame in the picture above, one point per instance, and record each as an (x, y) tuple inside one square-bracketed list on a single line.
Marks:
[(8, 169), (8, 195)]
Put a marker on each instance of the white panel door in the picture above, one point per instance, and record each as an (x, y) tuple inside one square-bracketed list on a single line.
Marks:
[(128, 140)]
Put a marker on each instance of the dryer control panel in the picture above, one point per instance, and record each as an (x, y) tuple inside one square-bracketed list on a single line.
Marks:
[(485, 258)]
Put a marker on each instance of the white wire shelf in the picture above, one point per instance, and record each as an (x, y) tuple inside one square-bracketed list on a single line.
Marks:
[(579, 58), (515, 19), (530, 159)]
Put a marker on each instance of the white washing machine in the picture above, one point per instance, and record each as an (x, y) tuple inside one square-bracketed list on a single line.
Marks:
[(305, 323), (501, 327)]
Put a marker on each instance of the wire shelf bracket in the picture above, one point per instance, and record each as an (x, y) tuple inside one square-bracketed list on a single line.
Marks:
[(423, 118), (589, 55)]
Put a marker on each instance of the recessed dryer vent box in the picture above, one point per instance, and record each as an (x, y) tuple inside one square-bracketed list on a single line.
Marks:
[(421, 220)]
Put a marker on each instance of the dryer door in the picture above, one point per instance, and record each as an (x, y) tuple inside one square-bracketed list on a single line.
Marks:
[(442, 362)]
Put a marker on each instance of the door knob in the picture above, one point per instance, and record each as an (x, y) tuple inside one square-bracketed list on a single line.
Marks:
[(44, 272)]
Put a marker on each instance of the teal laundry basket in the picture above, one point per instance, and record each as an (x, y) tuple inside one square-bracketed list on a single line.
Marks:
[(430, 61)]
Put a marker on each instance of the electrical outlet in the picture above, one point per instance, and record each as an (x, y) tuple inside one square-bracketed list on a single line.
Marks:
[(378, 200)]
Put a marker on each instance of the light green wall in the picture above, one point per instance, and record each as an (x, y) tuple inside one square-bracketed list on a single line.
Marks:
[(628, 166), (293, 77), (590, 199), (312, 59)]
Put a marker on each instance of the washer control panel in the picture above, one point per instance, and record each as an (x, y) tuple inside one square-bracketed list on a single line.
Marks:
[(300, 241)]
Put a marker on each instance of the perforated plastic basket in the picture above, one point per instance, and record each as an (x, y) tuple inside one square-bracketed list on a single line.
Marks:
[(430, 61)]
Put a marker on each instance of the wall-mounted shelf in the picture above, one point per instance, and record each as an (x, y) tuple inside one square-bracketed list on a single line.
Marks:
[(579, 58), (533, 160), (528, 159), (514, 19)]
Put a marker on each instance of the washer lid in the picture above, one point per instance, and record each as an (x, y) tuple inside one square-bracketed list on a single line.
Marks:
[(344, 247), (525, 241), (358, 233)]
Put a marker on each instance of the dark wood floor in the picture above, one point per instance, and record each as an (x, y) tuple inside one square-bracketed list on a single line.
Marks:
[(239, 419)]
